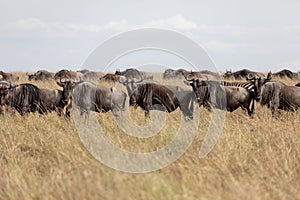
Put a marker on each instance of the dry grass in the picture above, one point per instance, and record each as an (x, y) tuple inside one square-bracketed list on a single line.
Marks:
[(42, 157)]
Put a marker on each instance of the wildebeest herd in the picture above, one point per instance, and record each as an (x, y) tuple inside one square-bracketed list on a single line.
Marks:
[(210, 89)]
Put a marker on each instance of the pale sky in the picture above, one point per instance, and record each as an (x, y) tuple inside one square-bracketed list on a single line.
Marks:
[(259, 35)]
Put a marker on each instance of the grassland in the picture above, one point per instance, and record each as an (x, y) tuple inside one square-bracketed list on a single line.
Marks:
[(42, 157)]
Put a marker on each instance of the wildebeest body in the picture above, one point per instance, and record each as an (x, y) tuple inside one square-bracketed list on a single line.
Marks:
[(8, 77), (149, 94), (52, 100), (276, 95), (88, 96), (41, 75), (24, 98)]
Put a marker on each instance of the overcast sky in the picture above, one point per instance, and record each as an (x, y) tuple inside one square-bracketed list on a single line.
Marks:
[(259, 35)]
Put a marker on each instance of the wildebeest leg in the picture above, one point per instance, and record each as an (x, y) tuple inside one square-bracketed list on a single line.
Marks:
[(147, 112), (275, 104), (187, 107), (252, 109)]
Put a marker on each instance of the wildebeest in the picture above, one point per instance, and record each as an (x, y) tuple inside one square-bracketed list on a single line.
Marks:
[(40, 75), (24, 97), (171, 97), (52, 100), (175, 74), (149, 94), (132, 73), (92, 76), (285, 73), (87, 75), (277, 95), (8, 77), (89, 97), (109, 77), (210, 75), (211, 94), (68, 75), (241, 74), (182, 73)]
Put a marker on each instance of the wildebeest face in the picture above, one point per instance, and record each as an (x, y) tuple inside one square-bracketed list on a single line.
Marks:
[(133, 99), (67, 91), (131, 84), (31, 77), (258, 83), (196, 84)]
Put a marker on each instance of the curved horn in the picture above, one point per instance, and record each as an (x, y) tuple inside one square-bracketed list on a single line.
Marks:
[(189, 78), (123, 79), (248, 78), (206, 77), (139, 80)]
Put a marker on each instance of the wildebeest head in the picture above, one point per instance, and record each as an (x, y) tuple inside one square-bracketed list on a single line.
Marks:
[(31, 76), (4, 87), (67, 86), (258, 83), (130, 83), (133, 99), (8, 77), (196, 84)]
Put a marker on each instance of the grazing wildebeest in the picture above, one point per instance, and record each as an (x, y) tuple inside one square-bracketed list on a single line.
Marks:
[(52, 100), (211, 94), (285, 73), (87, 96), (83, 71), (24, 97), (132, 73), (92, 76), (41, 75), (277, 95), (8, 77), (242, 74), (210, 75), (298, 84), (149, 94), (180, 98), (109, 77), (175, 74), (87, 75), (68, 75)]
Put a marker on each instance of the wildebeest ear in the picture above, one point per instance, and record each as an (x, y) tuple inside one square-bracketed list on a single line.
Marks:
[(269, 77), (123, 79)]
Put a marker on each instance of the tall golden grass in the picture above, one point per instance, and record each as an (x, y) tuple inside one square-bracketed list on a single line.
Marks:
[(42, 157)]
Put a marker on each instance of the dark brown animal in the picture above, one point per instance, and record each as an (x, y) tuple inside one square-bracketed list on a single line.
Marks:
[(24, 97), (175, 74), (89, 97), (150, 94), (132, 73), (8, 77), (41, 75), (242, 74), (68, 75), (277, 95), (213, 95), (52, 100), (109, 77), (285, 73)]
